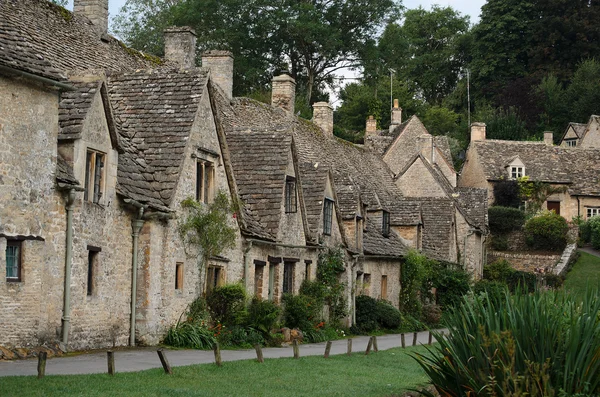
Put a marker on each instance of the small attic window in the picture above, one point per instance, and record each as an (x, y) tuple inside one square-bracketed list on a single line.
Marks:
[(517, 172), (385, 226), (571, 142), (291, 205), (94, 176), (327, 216), (205, 171)]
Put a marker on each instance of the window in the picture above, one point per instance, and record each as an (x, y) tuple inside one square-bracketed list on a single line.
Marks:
[(366, 284), (571, 142), (553, 206), (385, 228), (14, 252), (291, 205), (92, 265), (517, 172), (307, 269), (593, 212), (213, 278), (94, 176), (179, 276), (204, 181), (327, 216), (259, 273), (383, 287), (288, 278)]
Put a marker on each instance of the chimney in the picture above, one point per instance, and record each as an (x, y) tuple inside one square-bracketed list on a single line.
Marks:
[(180, 46), (425, 147), (371, 126), (220, 64), (477, 132), (284, 92), (94, 10), (548, 138), (323, 117), (396, 116)]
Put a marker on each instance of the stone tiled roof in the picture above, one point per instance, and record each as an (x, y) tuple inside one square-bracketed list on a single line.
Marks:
[(441, 142), (474, 203), (406, 213), (259, 161), (73, 108), (39, 37), (313, 189), (64, 172), (374, 243), (578, 128), (155, 110), (438, 217)]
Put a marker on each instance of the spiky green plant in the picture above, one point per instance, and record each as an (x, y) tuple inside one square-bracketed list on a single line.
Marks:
[(543, 344)]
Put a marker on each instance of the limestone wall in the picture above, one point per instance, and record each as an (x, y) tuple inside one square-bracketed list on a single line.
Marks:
[(417, 181), (370, 282), (525, 261)]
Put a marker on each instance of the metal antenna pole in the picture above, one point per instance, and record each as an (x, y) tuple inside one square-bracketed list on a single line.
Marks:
[(468, 99), (392, 71)]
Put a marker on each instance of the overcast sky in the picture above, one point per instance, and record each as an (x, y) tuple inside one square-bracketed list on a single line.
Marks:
[(466, 7)]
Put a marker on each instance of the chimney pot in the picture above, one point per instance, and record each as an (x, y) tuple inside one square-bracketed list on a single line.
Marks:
[(478, 132), (548, 138), (220, 64), (323, 117), (371, 128), (94, 10), (180, 46), (283, 93), (396, 116)]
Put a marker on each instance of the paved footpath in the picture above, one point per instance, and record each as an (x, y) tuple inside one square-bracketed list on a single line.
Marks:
[(589, 250), (131, 360)]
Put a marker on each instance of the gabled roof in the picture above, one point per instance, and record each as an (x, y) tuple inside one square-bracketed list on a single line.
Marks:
[(42, 38), (64, 172), (374, 243), (578, 129), (314, 182), (259, 161), (73, 108), (474, 202), (438, 229), (155, 111)]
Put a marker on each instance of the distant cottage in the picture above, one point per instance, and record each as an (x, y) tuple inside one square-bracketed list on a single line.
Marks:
[(100, 144)]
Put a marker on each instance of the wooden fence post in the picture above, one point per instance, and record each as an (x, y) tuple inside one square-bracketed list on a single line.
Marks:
[(349, 346), (369, 345), (110, 357), (327, 349), (217, 350), (402, 340), (41, 368), (430, 338), (375, 348), (164, 361), (414, 339), (259, 354), (296, 348)]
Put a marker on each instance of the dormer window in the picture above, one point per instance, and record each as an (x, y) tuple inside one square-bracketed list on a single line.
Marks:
[(204, 181), (291, 205), (571, 142), (385, 227), (517, 172), (94, 176), (327, 216)]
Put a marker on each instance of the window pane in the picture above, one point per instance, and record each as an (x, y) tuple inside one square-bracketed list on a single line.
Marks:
[(199, 181), (12, 261), (327, 215)]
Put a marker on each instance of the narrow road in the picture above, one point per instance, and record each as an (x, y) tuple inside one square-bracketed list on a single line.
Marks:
[(138, 359), (590, 251)]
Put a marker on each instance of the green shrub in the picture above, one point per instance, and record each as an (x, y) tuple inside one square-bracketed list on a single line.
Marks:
[(585, 231), (197, 311), (300, 311), (498, 271), (263, 316), (451, 283), (547, 232), (594, 231), (432, 314), (499, 243), (388, 316), (190, 335), (238, 336), (366, 315), (539, 344), (227, 304), (505, 219), (553, 281), (507, 194), (494, 289), (522, 281)]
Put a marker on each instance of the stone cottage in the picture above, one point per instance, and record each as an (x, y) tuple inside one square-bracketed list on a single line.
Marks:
[(575, 169), (100, 144), (583, 135)]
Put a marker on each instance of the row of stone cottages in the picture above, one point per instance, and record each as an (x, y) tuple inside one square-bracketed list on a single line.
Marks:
[(99, 145)]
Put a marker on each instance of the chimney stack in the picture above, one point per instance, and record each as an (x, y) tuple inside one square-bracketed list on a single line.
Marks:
[(220, 64), (283, 93), (477, 132), (371, 126), (425, 147), (94, 10), (396, 116), (323, 117), (180, 46), (548, 138)]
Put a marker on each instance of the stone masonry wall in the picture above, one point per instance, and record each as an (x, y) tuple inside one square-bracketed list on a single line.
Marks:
[(524, 261)]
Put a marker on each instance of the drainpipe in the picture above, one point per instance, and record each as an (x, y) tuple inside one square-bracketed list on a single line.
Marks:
[(66, 318), (246, 265), (136, 226)]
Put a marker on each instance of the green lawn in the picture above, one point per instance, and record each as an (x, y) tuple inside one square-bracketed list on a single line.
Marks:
[(385, 373), (585, 272)]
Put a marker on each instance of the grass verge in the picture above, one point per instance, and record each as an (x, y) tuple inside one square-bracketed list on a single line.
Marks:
[(385, 373), (585, 273)]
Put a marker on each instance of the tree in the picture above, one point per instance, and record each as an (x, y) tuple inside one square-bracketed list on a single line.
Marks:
[(583, 94)]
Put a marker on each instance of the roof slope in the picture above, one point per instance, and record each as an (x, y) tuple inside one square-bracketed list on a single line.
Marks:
[(374, 243), (438, 217), (259, 162), (314, 181), (73, 108), (473, 201), (155, 110), (42, 38)]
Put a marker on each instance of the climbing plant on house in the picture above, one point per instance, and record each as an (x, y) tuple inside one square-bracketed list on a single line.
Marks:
[(205, 228)]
